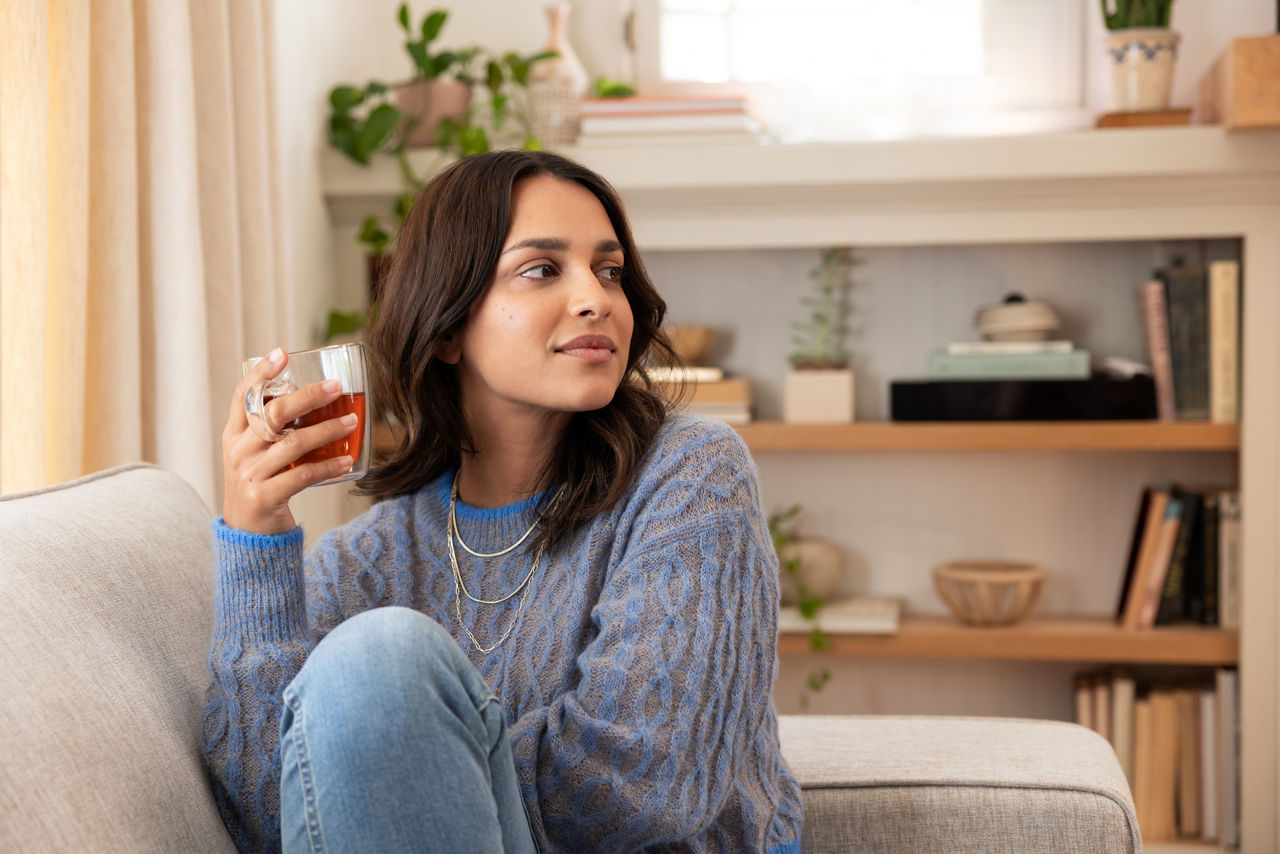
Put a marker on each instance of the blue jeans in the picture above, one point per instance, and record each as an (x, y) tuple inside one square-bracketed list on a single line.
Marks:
[(391, 741)]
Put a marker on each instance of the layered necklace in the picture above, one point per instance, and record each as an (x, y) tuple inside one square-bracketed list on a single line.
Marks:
[(460, 586)]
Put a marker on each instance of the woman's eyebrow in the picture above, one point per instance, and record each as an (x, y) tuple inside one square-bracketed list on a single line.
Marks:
[(555, 244)]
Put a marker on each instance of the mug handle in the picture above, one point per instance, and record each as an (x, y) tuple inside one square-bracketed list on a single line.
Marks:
[(255, 408)]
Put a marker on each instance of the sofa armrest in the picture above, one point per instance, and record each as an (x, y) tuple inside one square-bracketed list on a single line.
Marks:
[(909, 784)]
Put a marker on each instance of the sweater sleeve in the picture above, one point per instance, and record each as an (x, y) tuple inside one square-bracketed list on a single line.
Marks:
[(267, 619), (644, 749)]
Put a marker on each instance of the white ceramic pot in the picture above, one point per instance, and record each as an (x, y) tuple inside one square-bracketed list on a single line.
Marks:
[(1141, 62), (821, 569), (818, 397), (430, 101)]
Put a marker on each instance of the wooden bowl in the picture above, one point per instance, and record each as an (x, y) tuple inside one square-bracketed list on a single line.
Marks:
[(691, 343), (989, 592)]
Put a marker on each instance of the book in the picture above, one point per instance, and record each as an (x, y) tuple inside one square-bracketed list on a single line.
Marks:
[(1189, 782), (1208, 764), (1123, 694), (1224, 341), (1142, 569), (685, 374), (669, 123), (1160, 823), (1226, 683), (1101, 696), (1155, 328), (1143, 749), (650, 103), (1153, 590), (1009, 347), (1229, 559), (1083, 695), (871, 615), (1203, 604), (660, 140), (1186, 301), (1173, 599), (1072, 364), (733, 390), (1135, 545)]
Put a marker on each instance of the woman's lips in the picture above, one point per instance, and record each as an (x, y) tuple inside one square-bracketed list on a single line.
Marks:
[(589, 348)]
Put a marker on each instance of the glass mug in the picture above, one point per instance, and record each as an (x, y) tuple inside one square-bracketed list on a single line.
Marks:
[(342, 362)]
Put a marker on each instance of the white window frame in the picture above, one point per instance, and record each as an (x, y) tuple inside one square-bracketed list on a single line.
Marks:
[(1065, 78)]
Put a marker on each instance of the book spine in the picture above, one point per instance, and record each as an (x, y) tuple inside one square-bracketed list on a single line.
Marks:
[(1229, 560), (1047, 365), (1228, 758), (1146, 557), (1154, 590), (1122, 697), (1186, 295), (1224, 341), (1206, 603), (1208, 765), (1156, 327), (958, 347), (1173, 601)]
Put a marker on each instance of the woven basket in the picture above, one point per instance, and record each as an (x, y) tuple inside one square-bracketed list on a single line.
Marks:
[(989, 592)]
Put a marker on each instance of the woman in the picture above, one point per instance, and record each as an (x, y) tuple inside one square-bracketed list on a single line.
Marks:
[(556, 631)]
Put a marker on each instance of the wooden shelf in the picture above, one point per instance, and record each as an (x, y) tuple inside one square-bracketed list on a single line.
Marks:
[(993, 436), (1040, 639)]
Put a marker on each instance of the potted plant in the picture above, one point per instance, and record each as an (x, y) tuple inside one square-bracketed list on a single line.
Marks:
[(819, 388), (435, 106), (795, 578), (1141, 52)]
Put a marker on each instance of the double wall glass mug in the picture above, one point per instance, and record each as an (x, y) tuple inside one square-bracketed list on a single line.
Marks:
[(342, 362)]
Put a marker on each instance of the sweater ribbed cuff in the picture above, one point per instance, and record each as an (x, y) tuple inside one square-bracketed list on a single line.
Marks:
[(258, 587)]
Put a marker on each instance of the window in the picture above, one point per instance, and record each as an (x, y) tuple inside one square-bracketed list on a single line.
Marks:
[(832, 69)]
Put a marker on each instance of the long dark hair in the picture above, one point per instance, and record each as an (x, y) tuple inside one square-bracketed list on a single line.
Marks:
[(443, 259)]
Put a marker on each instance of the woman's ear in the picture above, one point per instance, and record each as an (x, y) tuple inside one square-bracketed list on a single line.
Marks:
[(449, 350)]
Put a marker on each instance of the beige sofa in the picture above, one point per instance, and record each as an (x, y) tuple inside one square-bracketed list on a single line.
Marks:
[(106, 588)]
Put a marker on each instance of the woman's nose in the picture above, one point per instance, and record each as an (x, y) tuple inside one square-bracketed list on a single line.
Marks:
[(589, 297)]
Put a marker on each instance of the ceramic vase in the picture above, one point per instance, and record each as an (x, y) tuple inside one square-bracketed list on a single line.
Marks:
[(818, 397), (821, 569), (1141, 61), (429, 101), (556, 84)]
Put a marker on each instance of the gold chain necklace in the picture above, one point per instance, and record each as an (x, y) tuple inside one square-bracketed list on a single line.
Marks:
[(460, 587)]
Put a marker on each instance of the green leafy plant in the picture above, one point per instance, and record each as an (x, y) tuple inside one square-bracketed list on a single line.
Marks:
[(820, 338), (1123, 14), (607, 87), (782, 531), (364, 121)]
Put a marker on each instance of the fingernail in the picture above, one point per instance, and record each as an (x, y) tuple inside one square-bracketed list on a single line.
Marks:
[(349, 419), (331, 386), (276, 356), (346, 463)]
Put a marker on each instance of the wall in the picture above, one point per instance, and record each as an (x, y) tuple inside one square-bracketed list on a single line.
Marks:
[(321, 42)]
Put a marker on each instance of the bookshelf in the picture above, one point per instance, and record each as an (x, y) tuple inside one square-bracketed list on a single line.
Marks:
[(1144, 184)]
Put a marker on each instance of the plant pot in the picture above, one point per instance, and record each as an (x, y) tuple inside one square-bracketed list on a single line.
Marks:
[(821, 570), (818, 397), (429, 101), (1141, 61)]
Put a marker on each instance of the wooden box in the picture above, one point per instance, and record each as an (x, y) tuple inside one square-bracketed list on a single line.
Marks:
[(1242, 89)]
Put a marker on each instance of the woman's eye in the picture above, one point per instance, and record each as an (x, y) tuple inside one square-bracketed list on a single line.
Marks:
[(539, 271), (612, 274)]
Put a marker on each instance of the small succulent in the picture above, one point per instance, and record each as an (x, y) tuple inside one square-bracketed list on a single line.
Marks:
[(1123, 14), (821, 337)]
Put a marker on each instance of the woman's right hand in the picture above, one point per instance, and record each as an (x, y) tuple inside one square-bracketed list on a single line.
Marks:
[(259, 482)]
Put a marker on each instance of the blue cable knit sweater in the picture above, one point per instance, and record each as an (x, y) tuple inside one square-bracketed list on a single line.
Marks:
[(641, 666)]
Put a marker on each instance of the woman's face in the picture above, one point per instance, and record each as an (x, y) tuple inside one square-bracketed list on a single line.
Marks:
[(553, 329)]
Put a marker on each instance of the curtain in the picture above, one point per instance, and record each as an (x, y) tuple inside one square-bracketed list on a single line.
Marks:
[(139, 232)]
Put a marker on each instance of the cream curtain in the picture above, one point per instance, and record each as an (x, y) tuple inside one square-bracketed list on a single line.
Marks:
[(139, 231)]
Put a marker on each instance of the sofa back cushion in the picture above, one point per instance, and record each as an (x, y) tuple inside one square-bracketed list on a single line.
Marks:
[(105, 615)]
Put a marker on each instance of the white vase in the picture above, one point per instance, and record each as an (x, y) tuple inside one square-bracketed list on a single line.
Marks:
[(1141, 61), (821, 569), (556, 84), (818, 397)]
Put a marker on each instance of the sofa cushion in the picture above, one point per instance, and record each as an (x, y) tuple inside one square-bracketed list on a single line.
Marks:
[(981, 785), (106, 590)]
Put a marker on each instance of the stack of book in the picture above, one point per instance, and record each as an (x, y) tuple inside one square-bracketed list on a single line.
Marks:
[(705, 391), (1009, 360), (860, 615), (1179, 746), (666, 120), (1184, 560), (1191, 322)]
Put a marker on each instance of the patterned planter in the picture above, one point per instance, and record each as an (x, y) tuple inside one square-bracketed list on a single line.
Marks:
[(1141, 61)]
